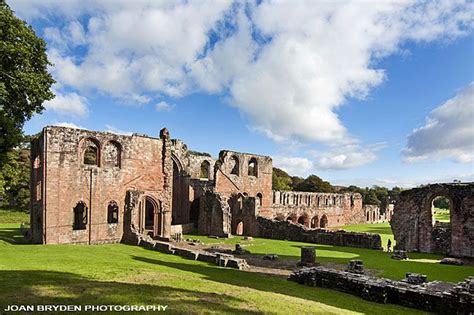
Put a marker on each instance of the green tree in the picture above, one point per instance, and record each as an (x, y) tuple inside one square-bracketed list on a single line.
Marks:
[(281, 180), (370, 197), (314, 183), (24, 79), (15, 177)]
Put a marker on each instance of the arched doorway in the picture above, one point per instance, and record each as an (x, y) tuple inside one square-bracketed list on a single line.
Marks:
[(239, 228), (315, 222), (301, 220), (324, 221), (152, 217)]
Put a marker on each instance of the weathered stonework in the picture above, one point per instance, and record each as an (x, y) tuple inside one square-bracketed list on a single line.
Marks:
[(98, 187), (414, 228), (436, 296)]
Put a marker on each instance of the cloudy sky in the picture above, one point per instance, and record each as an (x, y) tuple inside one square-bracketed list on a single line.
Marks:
[(357, 92)]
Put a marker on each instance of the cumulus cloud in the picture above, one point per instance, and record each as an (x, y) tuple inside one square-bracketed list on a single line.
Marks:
[(68, 103), (299, 166), (286, 65), (346, 157), (164, 107), (447, 133)]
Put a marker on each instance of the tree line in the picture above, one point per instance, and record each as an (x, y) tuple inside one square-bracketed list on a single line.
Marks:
[(375, 195)]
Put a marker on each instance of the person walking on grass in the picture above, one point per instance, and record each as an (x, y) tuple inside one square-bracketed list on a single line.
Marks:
[(389, 245)]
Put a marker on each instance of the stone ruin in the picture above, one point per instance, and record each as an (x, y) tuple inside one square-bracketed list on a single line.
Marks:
[(415, 229), (435, 296), (92, 187)]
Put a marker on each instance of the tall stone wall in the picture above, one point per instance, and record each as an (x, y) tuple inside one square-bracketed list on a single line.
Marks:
[(413, 224), (121, 163)]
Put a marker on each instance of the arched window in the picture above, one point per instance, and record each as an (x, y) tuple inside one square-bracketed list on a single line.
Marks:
[(324, 221), (234, 165), (112, 212), (301, 220), (315, 222), (258, 200), (205, 170), (112, 154), (80, 216), (239, 229), (91, 152), (252, 170)]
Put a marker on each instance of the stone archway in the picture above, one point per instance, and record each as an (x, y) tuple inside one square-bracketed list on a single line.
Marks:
[(315, 222), (323, 223)]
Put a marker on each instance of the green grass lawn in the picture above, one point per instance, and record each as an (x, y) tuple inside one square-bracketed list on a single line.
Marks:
[(125, 275), (11, 216), (441, 215), (383, 229)]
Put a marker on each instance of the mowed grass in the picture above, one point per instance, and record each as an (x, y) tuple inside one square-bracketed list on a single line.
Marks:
[(12, 216), (441, 215), (383, 229), (120, 274)]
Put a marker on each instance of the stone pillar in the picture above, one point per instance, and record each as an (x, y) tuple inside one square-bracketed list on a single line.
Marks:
[(308, 256), (167, 165)]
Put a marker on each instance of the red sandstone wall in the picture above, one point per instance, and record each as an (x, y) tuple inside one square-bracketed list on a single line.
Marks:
[(68, 181), (227, 183)]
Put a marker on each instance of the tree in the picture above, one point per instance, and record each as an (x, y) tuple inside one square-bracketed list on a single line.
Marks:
[(15, 177), (280, 180), (24, 79), (370, 197), (314, 183)]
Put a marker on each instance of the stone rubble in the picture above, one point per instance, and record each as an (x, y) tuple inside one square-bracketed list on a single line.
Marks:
[(435, 296)]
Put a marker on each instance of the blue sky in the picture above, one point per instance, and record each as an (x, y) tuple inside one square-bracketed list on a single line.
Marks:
[(357, 93)]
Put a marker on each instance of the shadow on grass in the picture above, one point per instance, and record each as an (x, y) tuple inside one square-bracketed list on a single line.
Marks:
[(60, 288), (12, 235), (277, 285)]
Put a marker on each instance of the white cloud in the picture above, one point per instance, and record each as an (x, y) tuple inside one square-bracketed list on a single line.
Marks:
[(164, 107), (286, 65), (447, 133), (405, 182), (67, 124), (345, 157), (112, 129), (293, 165), (69, 104)]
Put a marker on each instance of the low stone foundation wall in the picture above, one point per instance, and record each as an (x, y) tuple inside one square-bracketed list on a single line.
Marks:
[(220, 259), (283, 230), (436, 296)]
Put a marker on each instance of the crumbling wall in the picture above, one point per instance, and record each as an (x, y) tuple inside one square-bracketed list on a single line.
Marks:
[(436, 296), (413, 224), (309, 208), (231, 179), (283, 230), (121, 163)]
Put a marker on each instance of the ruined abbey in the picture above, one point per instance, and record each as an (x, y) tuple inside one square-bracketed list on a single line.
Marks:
[(98, 187)]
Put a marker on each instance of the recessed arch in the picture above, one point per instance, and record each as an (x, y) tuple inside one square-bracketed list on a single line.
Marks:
[(205, 170), (253, 167), (239, 228), (234, 165), (112, 212), (80, 216), (315, 222), (258, 200), (323, 223), (90, 151)]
